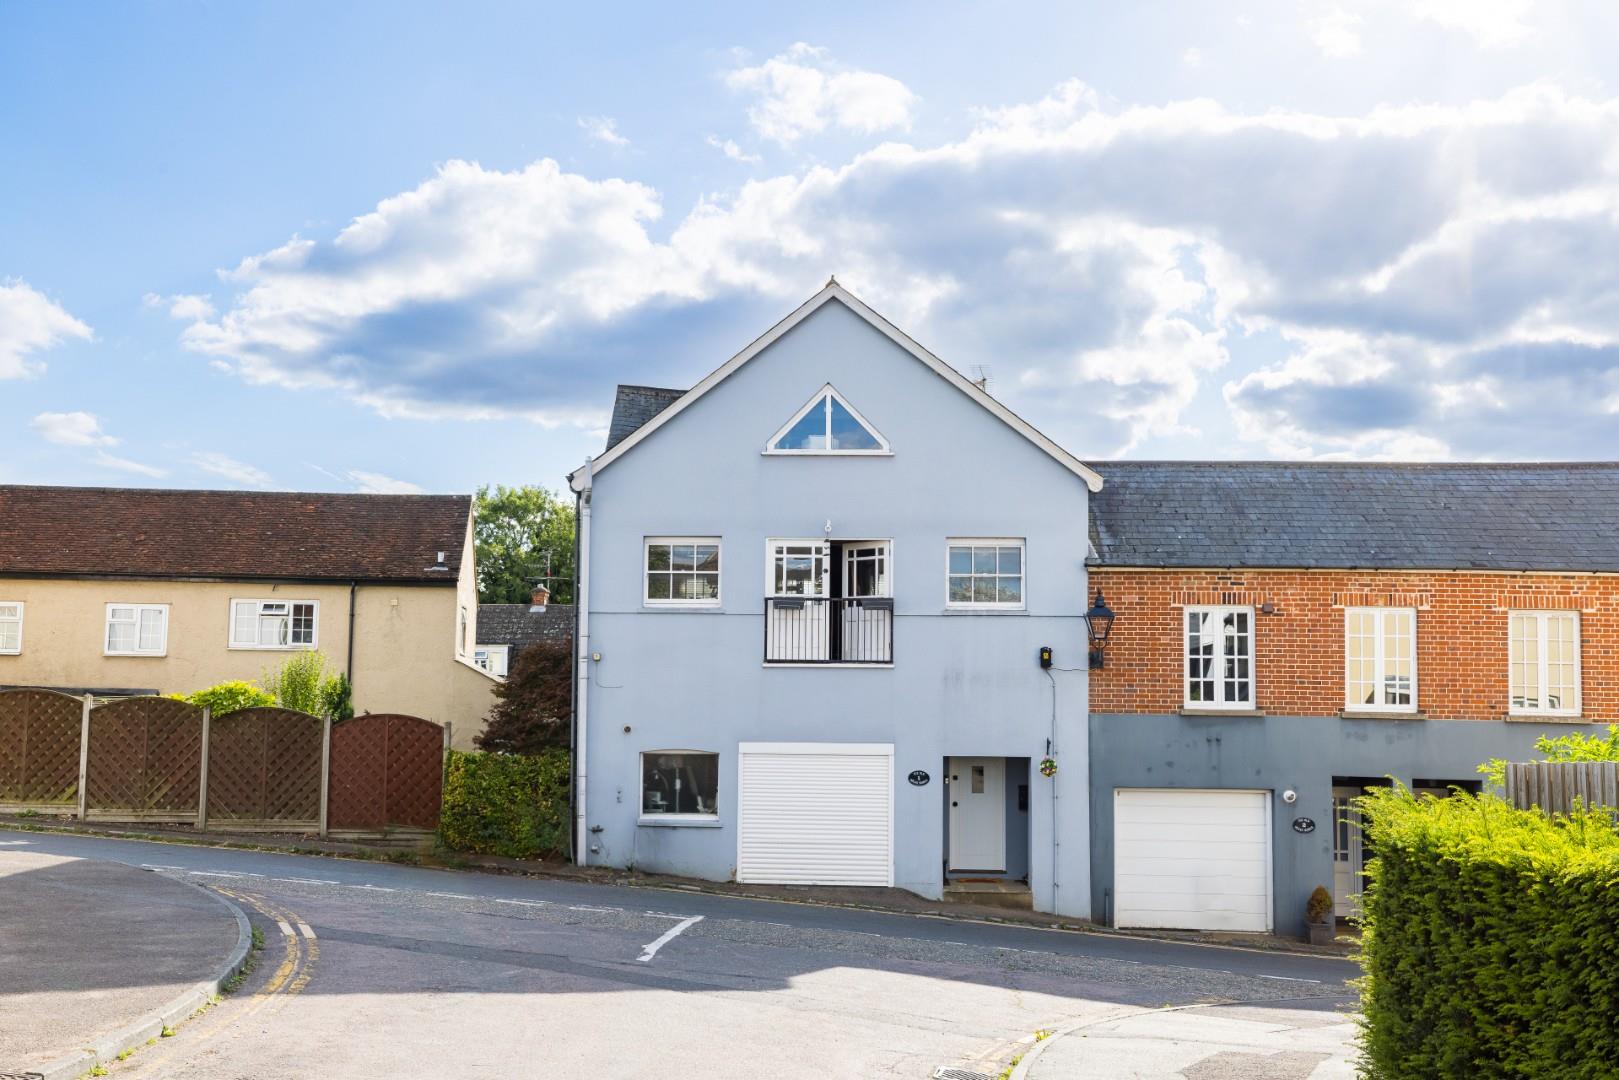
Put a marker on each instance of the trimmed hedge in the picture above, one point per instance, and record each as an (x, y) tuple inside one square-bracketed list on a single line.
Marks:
[(505, 804), (1491, 941)]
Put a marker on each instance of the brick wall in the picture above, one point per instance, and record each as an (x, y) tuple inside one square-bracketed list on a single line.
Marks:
[(1299, 650)]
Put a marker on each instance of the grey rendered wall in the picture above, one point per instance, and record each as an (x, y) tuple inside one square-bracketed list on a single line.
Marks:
[(960, 684), (1278, 753)]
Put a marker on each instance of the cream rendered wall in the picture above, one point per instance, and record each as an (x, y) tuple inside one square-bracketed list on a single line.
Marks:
[(402, 660)]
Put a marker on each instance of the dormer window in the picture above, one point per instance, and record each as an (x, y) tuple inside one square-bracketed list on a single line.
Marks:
[(827, 424)]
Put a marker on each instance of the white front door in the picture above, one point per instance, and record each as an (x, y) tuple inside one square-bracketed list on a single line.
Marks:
[(977, 813), (797, 629), (1347, 884)]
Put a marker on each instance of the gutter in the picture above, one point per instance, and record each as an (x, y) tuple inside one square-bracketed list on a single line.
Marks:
[(348, 666), (581, 692)]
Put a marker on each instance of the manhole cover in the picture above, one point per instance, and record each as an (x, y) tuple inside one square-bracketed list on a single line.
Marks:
[(955, 1072), (21, 1076)]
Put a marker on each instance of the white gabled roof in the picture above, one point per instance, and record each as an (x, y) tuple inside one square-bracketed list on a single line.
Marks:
[(578, 479)]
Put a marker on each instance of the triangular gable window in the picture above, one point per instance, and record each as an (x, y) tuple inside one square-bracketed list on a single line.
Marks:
[(827, 425)]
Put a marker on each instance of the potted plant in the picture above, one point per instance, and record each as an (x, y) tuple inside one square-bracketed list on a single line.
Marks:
[(1319, 918)]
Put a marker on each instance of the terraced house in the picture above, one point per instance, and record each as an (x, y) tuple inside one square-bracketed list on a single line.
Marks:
[(119, 592)]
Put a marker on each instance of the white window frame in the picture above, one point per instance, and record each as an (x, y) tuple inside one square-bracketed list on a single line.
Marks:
[(823, 398), (988, 541), (314, 642), (487, 661), (1380, 658), (21, 612), (1217, 614), (1542, 621), (106, 630), (644, 818), (677, 602)]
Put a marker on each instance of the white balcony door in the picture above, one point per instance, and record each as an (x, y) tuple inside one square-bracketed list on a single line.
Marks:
[(866, 575), (797, 610)]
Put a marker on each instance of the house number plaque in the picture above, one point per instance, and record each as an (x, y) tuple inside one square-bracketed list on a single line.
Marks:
[(1303, 825), (919, 778)]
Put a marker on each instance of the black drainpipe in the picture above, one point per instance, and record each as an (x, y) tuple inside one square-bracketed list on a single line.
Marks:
[(348, 668)]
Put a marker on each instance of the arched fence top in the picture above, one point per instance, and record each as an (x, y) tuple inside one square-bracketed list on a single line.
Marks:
[(149, 706), (42, 693), (268, 713), (374, 716)]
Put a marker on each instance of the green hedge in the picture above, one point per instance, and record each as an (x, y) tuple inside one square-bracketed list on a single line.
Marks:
[(506, 804), (1492, 941)]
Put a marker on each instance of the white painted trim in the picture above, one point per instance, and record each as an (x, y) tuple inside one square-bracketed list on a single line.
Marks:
[(230, 627), (21, 615), (580, 478), (106, 624), (1252, 704), (824, 394), (719, 584), (1022, 545)]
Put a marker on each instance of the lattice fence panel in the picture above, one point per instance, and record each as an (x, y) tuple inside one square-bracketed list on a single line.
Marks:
[(145, 757), (264, 766), (39, 748), (387, 771)]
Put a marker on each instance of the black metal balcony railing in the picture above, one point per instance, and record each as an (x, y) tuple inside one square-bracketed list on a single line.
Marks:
[(819, 630)]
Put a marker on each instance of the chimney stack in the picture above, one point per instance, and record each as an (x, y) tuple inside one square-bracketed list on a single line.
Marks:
[(540, 596)]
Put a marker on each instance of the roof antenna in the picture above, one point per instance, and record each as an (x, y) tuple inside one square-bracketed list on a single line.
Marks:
[(981, 377), (831, 281)]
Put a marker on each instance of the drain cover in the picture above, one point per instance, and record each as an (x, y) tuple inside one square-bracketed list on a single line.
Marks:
[(951, 1072), (21, 1076)]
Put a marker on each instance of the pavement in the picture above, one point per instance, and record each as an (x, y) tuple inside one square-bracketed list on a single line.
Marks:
[(374, 969), (92, 947)]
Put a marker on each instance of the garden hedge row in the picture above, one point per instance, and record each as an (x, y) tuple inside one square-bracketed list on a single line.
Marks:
[(1491, 941), (506, 804)]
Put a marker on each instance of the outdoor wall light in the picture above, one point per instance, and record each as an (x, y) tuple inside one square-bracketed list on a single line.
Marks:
[(1098, 624)]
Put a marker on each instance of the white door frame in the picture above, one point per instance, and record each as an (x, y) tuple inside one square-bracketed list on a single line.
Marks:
[(956, 768), (1342, 904)]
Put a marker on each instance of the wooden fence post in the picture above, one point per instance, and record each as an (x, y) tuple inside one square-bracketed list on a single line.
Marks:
[(325, 770), (84, 753), (202, 781)]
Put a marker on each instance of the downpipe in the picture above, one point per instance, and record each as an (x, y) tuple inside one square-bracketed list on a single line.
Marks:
[(581, 599)]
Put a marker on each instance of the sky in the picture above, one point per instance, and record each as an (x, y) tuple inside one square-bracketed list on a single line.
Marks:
[(412, 247)]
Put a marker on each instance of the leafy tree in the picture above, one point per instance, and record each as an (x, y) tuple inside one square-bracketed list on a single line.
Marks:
[(533, 707), (522, 535)]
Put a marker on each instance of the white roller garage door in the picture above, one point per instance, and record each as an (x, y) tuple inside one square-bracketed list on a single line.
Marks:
[(1192, 860), (815, 813)]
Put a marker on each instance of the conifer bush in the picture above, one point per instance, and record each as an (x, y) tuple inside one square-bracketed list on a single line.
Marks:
[(506, 804)]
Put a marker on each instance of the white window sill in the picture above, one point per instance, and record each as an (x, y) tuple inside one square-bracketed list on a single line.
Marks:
[(964, 610), (1548, 718), (840, 667), (138, 655), (10, 652), (1383, 714), (1202, 710), (690, 609), (271, 648), (678, 821), (826, 453)]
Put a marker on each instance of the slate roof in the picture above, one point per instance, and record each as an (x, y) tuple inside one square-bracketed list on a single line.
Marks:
[(1351, 516), (303, 536), (515, 625), (634, 406)]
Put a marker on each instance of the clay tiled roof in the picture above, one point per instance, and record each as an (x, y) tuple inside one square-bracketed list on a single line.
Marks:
[(142, 532)]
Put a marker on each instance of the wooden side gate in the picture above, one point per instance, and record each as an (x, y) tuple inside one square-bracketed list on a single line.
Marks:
[(39, 749), (264, 769), (387, 773)]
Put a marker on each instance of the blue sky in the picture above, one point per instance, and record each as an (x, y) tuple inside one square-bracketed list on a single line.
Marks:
[(413, 246)]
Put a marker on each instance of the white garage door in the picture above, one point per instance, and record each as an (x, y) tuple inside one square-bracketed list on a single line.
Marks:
[(815, 813), (1192, 860)]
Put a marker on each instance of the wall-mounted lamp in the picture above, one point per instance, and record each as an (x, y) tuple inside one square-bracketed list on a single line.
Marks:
[(1098, 624)]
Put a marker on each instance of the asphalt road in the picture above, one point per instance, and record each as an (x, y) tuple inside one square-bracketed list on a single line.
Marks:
[(375, 969)]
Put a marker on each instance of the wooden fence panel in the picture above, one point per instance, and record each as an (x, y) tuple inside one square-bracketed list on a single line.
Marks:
[(145, 760), (387, 772), (264, 767), (1555, 786), (39, 749)]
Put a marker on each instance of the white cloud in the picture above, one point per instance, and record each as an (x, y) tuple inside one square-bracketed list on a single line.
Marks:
[(802, 91), (110, 461), (1337, 33), (71, 429), (184, 306), (730, 149), (29, 323), (236, 472), (603, 129), (371, 483), (1493, 24)]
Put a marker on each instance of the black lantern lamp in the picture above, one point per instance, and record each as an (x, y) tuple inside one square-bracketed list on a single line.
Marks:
[(1098, 624)]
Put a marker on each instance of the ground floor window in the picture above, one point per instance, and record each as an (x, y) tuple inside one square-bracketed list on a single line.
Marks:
[(682, 783)]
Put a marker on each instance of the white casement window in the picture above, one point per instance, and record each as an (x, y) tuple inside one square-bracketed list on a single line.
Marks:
[(273, 624), (1380, 659), (10, 627), (984, 574), (492, 658), (682, 571), (680, 784), (1219, 653), (1543, 657), (827, 424), (137, 629)]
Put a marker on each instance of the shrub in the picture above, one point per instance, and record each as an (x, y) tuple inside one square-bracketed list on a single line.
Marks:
[(1489, 940), (228, 697), (297, 684), (506, 804), (1319, 906), (534, 706), (337, 698)]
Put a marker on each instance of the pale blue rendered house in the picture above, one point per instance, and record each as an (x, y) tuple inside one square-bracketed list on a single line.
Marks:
[(814, 591)]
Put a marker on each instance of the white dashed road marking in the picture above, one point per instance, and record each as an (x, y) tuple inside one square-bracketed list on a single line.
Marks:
[(286, 930), (304, 929), (669, 935), (14, 843)]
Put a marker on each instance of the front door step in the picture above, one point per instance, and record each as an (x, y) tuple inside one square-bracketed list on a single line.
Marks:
[(996, 893)]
